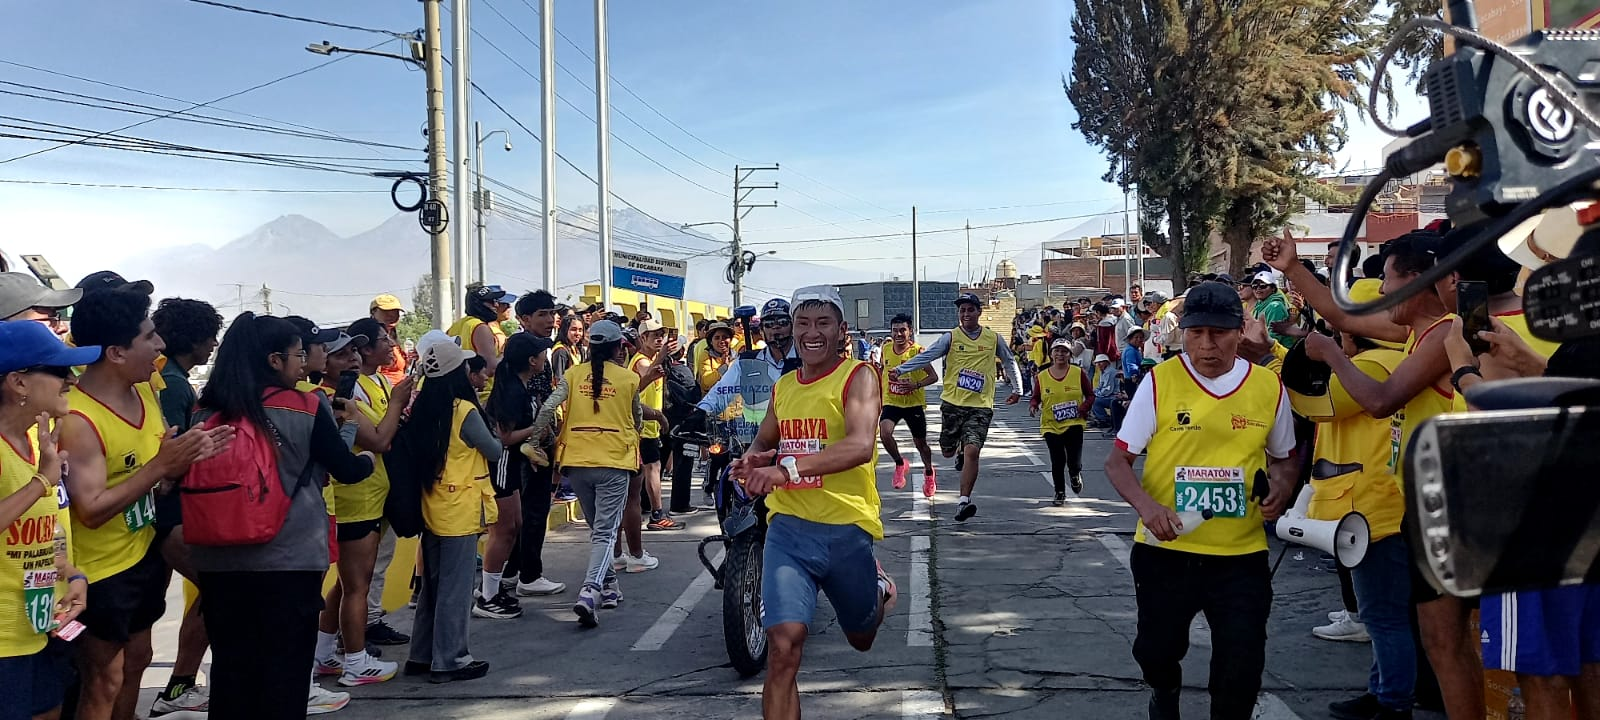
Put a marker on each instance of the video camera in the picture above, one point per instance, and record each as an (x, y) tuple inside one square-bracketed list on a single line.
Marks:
[(1505, 499)]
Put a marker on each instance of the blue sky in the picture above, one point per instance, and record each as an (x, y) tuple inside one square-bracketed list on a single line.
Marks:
[(870, 107)]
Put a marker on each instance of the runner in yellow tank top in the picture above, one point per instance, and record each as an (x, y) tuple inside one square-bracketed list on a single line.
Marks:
[(114, 438), (40, 589), (966, 403), (1418, 389), (905, 399), (814, 454), (1218, 432), (1062, 397)]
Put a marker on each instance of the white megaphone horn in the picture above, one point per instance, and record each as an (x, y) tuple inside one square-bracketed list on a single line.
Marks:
[(1346, 538)]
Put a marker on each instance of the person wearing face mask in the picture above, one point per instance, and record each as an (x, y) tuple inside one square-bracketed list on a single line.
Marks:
[(479, 330), (40, 589), (262, 600), (122, 455), (23, 298), (1215, 429)]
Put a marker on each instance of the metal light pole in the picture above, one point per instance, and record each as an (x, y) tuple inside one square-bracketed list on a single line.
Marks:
[(461, 209), (602, 98), (547, 151), (482, 199)]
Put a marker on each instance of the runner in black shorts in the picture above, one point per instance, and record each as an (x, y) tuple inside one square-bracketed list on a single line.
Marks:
[(903, 401)]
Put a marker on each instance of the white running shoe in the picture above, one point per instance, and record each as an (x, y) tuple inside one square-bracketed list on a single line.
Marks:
[(542, 586), (619, 562), (193, 704), (332, 666), (640, 564), (1347, 629), (1338, 615), (322, 701), (366, 671)]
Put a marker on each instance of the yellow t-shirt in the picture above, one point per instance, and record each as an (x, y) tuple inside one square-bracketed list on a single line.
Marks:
[(899, 393), (969, 369), (1037, 340), (1060, 401), (363, 501), (1428, 403), (462, 502), (603, 437), (810, 418), (709, 369), (651, 396), (462, 331), (1206, 454), (29, 582), (1350, 436), (121, 542)]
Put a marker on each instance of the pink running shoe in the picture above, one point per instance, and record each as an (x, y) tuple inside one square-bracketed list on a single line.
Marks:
[(900, 470), (930, 483)]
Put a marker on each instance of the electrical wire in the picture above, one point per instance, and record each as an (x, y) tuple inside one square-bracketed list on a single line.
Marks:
[(314, 21), (850, 238), (118, 186)]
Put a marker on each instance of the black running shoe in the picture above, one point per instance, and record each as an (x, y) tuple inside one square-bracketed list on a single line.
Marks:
[(966, 511), (380, 633), (1077, 484)]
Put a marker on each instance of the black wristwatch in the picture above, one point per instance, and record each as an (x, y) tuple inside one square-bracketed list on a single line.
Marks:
[(1461, 372)]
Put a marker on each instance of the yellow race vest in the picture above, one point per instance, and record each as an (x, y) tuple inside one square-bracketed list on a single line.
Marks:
[(462, 331), (28, 577), (121, 542), (969, 369), (1206, 453), (1348, 436), (363, 501), (896, 393), (810, 418), (1428, 403), (1060, 401), (651, 396), (462, 501), (604, 437)]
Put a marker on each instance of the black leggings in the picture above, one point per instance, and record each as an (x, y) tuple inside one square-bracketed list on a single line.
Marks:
[(1066, 453), (263, 630), (527, 555)]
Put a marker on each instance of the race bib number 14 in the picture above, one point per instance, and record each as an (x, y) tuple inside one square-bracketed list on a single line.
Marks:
[(141, 513), (1220, 490)]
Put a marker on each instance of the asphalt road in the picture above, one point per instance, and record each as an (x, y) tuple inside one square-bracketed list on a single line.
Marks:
[(1025, 611)]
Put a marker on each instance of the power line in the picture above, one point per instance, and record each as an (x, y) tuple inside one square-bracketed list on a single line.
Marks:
[(195, 106), (117, 186), (130, 142), (932, 232), (314, 21)]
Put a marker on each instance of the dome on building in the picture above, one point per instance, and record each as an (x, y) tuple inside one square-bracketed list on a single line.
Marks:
[(1006, 270)]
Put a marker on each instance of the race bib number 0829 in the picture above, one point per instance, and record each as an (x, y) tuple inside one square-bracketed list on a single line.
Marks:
[(1220, 490), (970, 380)]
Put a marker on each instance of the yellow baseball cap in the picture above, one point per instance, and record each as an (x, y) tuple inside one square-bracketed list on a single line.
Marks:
[(386, 302), (1367, 290)]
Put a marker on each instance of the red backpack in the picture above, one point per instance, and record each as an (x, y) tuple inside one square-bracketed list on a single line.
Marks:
[(236, 497)]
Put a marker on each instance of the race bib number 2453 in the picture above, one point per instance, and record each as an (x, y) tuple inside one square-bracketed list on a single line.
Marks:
[(1220, 490)]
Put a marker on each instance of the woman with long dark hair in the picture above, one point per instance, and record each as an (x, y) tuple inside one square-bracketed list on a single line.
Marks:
[(450, 447), (262, 600), (599, 451), (572, 348)]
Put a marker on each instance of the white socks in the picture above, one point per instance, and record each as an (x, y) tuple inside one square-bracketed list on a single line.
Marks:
[(963, 500), (491, 584), (327, 645)]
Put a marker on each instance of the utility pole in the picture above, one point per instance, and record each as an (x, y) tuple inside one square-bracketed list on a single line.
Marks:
[(438, 162), (969, 248), (602, 98), (547, 151), (480, 200), (916, 280), (460, 95), (737, 262), (1127, 252), (266, 300)]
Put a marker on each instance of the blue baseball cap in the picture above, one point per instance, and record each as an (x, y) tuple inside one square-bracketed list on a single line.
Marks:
[(26, 344), (970, 299), (776, 307)]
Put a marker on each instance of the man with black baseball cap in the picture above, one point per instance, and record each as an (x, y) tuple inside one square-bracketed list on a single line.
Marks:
[(1219, 440), (110, 280), (966, 404)]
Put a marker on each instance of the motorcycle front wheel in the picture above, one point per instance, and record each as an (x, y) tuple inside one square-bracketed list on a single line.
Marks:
[(741, 604)]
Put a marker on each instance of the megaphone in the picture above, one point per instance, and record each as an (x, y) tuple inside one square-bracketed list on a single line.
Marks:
[(1346, 539)]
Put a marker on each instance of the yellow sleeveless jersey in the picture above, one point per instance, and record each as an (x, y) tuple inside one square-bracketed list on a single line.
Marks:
[(328, 497), (462, 331), (651, 396), (899, 393), (604, 437), (1351, 436), (1428, 403), (1206, 453), (363, 501), (121, 542), (969, 369), (810, 418), (1516, 322), (1060, 401), (28, 579), (462, 501)]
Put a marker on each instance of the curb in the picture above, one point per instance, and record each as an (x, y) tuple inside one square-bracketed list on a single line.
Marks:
[(563, 512)]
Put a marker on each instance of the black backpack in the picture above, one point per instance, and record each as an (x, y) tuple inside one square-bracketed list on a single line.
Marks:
[(683, 392), (403, 506)]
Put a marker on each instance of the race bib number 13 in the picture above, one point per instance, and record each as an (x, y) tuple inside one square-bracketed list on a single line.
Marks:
[(970, 380), (141, 513), (39, 598), (1220, 490)]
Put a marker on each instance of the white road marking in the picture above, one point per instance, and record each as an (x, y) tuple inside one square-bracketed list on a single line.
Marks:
[(919, 633), (921, 704), (1270, 707), (592, 709), (921, 507), (672, 617)]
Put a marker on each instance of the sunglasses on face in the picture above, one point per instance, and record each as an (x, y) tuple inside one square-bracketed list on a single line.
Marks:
[(60, 372), (777, 323), (1259, 286)]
